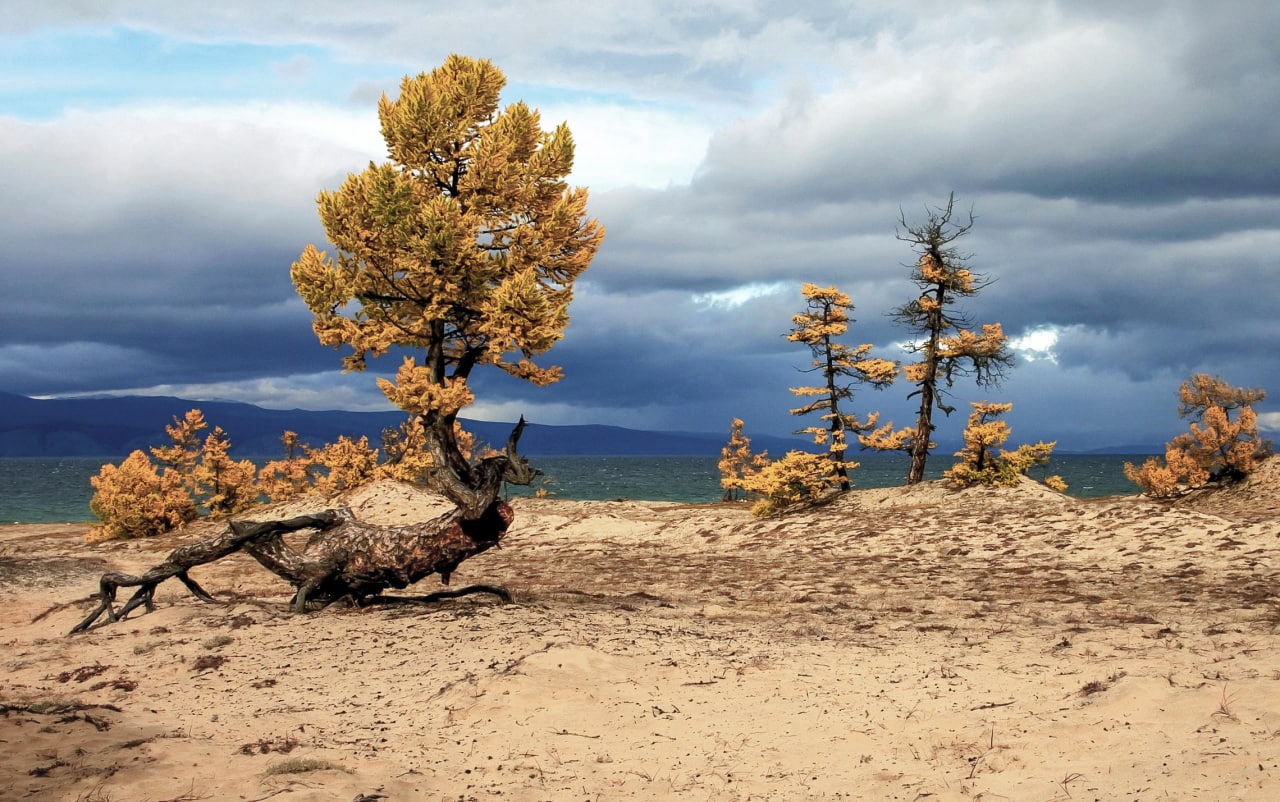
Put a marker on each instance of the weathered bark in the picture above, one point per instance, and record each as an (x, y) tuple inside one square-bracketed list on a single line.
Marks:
[(473, 486), (355, 560), (343, 559), (184, 558)]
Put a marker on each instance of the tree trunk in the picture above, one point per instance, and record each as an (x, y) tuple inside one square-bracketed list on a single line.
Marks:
[(921, 443), (924, 430)]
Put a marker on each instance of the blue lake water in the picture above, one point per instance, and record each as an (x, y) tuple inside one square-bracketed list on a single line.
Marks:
[(48, 490)]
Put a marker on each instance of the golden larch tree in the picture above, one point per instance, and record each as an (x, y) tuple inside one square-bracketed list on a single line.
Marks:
[(224, 485), (183, 451), (289, 477), (839, 367), (737, 462), (983, 462), (947, 343), (1222, 444), (464, 247), (460, 252)]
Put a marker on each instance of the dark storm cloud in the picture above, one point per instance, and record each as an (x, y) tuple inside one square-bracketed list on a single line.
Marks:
[(159, 254)]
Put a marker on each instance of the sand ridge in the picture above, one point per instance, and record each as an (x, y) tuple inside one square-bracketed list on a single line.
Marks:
[(898, 644)]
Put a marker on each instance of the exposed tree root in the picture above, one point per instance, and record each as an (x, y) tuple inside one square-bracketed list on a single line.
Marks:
[(343, 559)]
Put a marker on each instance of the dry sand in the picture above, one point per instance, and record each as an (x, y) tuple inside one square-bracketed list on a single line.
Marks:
[(904, 644)]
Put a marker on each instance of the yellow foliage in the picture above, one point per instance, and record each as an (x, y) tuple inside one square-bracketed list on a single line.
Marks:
[(979, 465), (138, 499), (796, 478), (885, 438), (223, 485), (1215, 448), (183, 450), (1055, 482), (1202, 392), (942, 272), (916, 372), (466, 245), (877, 371), (417, 392), (344, 464), (290, 477), (406, 456), (737, 462), (971, 344), (1167, 478), (135, 500)]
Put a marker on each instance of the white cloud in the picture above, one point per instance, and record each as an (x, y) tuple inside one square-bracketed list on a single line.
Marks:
[(318, 391), (1037, 343), (619, 145), (740, 296)]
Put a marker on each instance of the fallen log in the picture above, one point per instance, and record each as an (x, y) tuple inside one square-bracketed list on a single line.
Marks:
[(344, 559)]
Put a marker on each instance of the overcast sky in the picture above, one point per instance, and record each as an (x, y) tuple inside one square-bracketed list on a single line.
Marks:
[(159, 164)]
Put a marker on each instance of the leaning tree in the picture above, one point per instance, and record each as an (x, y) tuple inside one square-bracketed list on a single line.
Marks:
[(459, 252), (839, 367), (947, 343)]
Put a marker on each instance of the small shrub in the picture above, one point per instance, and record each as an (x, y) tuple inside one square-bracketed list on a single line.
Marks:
[(135, 500), (979, 465), (217, 642), (1217, 447), (796, 478)]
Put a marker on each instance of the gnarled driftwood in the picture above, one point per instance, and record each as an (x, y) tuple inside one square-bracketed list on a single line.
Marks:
[(343, 559)]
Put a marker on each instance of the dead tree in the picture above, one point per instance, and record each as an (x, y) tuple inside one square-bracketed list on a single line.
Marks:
[(347, 559)]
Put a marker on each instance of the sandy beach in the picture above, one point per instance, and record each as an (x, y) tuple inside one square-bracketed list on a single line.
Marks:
[(896, 644)]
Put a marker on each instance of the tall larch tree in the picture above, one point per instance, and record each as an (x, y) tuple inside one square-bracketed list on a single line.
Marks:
[(464, 248), (839, 367), (947, 343)]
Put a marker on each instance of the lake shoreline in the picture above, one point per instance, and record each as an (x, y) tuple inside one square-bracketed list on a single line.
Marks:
[(57, 489)]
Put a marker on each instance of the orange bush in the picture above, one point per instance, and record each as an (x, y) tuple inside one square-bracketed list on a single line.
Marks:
[(797, 478), (1217, 446), (980, 464), (135, 500)]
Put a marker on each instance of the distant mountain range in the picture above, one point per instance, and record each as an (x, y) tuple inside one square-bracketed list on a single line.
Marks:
[(103, 427)]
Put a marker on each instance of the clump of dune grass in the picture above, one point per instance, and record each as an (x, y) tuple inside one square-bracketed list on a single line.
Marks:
[(217, 641), (302, 765)]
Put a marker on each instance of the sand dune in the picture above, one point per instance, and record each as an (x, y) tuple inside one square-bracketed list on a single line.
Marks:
[(897, 644)]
